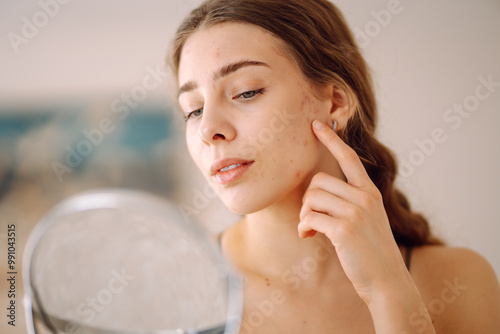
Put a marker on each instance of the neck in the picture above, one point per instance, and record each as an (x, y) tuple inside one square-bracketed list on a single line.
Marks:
[(269, 245)]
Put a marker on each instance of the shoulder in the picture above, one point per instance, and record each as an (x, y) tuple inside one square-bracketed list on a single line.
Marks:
[(233, 245), (449, 259), (459, 288), (432, 263)]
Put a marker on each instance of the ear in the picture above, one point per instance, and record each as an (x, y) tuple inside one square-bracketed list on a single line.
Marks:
[(343, 105)]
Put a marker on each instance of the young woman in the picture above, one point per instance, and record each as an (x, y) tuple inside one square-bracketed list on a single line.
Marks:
[(280, 116)]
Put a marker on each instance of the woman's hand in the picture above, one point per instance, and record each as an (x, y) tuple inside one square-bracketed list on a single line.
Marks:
[(352, 215)]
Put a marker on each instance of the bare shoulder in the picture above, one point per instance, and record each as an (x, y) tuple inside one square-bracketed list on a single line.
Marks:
[(459, 288), (449, 260), (232, 243)]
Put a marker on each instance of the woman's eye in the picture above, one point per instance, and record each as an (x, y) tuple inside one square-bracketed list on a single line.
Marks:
[(246, 96), (195, 113), (250, 94)]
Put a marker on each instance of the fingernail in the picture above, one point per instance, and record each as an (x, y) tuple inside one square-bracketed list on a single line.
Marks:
[(318, 125)]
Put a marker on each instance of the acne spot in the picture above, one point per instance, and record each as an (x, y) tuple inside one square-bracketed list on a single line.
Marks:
[(305, 143), (305, 100), (297, 174)]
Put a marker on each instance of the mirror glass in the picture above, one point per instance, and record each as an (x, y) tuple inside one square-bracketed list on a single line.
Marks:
[(126, 262)]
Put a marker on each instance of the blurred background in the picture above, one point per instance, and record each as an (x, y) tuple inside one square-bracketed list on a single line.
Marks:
[(85, 103)]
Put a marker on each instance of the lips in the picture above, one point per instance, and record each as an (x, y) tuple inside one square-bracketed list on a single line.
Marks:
[(228, 170)]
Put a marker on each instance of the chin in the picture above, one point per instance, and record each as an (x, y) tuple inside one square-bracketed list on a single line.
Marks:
[(243, 204), (242, 207), (247, 202)]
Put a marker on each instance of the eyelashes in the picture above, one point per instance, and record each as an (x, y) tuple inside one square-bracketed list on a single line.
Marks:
[(243, 97), (250, 94), (195, 113)]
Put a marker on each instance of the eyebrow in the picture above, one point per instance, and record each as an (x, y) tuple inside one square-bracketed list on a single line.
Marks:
[(221, 73)]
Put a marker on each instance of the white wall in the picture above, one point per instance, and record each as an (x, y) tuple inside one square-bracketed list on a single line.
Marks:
[(426, 59)]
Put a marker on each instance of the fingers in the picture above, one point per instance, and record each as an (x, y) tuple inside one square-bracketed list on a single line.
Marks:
[(325, 212), (314, 221), (330, 202), (321, 201), (334, 228), (337, 187), (348, 159)]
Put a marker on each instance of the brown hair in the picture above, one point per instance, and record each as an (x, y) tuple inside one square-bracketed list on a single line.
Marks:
[(316, 36)]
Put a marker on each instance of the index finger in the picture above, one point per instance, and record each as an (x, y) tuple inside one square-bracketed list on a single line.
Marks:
[(347, 158)]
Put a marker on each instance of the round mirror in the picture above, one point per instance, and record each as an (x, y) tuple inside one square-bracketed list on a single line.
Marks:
[(126, 262)]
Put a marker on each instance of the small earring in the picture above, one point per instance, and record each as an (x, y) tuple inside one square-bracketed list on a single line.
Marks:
[(334, 126)]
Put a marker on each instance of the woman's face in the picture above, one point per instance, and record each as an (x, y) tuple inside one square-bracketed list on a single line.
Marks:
[(249, 111)]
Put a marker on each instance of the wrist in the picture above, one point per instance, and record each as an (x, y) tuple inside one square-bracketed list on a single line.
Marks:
[(389, 286), (400, 309)]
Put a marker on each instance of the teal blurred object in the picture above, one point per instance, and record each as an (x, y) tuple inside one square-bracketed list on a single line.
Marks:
[(14, 125), (62, 145), (144, 129)]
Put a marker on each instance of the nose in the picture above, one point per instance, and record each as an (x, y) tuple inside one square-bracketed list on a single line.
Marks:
[(216, 125)]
